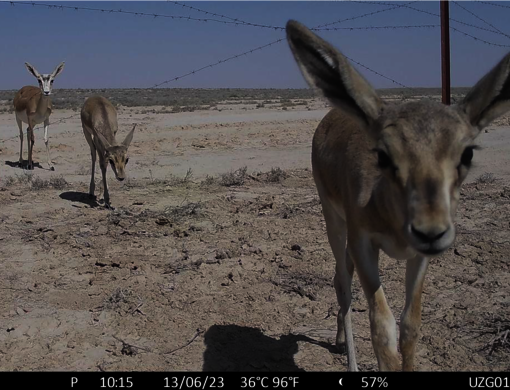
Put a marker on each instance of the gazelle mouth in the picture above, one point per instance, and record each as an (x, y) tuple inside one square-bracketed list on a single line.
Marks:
[(431, 251), (432, 248)]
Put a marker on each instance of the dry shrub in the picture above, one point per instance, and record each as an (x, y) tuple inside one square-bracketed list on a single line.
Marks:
[(234, 178), (486, 178)]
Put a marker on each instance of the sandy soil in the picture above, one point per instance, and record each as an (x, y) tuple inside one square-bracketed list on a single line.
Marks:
[(243, 272)]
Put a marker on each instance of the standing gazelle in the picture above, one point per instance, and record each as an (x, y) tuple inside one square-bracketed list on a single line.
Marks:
[(99, 121), (32, 105), (388, 177)]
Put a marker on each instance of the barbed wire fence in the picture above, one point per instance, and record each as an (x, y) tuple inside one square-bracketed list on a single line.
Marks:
[(62, 120), (323, 27), (228, 20)]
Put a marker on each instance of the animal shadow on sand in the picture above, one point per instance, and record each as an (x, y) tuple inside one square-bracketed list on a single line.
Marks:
[(239, 348), (80, 197), (23, 165)]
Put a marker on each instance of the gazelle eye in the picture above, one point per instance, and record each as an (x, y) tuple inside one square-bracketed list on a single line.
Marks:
[(127, 160), (467, 156), (384, 161)]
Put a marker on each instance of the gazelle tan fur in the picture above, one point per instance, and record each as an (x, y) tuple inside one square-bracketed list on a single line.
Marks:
[(32, 105), (99, 121), (388, 177)]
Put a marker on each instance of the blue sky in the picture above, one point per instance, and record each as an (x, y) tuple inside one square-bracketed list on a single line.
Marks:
[(105, 50)]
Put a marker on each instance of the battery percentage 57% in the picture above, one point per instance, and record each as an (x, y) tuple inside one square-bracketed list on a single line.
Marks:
[(374, 382)]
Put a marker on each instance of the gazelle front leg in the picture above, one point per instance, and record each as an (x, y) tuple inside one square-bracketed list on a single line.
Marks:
[(383, 327), (30, 141), (46, 125), (92, 187), (21, 136), (410, 320), (337, 235), (104, 165), (93, 155)]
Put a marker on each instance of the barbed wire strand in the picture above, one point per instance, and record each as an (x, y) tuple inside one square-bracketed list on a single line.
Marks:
[(379, 27), (362, 16), (493, 4), (138, 13), (430, 13), (62, 120), (218, 63), (478, 38), (206, 12), (377, 73), (479, 18)]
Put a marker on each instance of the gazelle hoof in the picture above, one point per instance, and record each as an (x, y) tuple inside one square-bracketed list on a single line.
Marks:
[(52, 168), (341, 347)]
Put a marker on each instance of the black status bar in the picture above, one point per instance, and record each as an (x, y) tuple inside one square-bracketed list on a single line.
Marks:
[(253, 380)]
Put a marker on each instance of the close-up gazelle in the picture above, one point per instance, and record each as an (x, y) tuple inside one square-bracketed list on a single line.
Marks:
[(32, 105), (388, 177)]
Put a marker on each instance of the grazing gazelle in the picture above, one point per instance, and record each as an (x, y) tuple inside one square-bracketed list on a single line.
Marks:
[(99, 121), (388, 176), (32, 105)]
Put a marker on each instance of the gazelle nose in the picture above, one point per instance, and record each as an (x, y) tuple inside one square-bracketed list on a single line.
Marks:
[(429, 235)]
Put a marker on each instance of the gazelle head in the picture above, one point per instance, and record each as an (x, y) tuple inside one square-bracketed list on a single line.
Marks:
[(422, 150), (45, 80), (116, 155)]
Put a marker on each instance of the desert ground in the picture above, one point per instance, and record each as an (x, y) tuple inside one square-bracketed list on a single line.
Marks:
[(216, 256)]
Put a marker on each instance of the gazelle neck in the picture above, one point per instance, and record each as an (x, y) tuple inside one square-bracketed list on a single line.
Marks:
[(44, 103)]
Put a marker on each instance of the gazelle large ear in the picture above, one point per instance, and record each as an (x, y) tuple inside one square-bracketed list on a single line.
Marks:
[(327, 69), (129, 137), (32, 70), (58, 69), (103, 140), (490, 97)]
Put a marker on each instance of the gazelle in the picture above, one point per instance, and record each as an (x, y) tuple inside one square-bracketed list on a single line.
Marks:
[(32, 105), (99, 121), (388, 176)]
